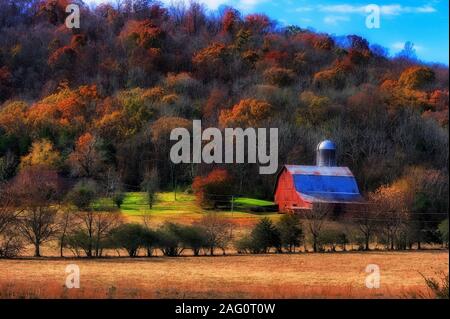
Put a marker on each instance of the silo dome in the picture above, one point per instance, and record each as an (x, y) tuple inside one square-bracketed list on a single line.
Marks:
[(326, 153)]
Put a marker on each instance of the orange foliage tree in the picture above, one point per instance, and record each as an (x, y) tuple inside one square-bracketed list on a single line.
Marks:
[(211, 61), (67, 110), (417, 77), (144, 34), (248, 112)]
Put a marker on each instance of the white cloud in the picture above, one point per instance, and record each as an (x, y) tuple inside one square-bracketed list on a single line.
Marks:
[(210, 4), (341, 8), (244, 5), (304, 9), (391, 9), (398, 46), (333, 20), (247, 4), (306, 20), (396, 9)]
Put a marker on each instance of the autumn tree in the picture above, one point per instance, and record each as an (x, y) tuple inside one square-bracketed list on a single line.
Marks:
[(230, 21), (316, 108), (86, 160), (391, 202), (42, 153), (212, 189), (213, 61), (417, 77), (247, 113), (279, 76)]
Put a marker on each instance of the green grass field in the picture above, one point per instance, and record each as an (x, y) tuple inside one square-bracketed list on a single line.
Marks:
[(183, 207)]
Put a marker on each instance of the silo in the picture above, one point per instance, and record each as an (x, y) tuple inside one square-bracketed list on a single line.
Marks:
[(326, 153)]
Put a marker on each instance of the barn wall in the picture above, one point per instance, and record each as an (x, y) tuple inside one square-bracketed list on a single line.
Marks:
[(286, 196)]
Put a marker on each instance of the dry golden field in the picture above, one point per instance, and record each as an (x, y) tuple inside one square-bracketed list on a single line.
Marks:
[(305, 275)]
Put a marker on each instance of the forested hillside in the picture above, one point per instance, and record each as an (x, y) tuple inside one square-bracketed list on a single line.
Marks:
[(99, 102)]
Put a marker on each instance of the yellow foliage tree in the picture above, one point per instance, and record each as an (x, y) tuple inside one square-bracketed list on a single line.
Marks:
[(42, 154)]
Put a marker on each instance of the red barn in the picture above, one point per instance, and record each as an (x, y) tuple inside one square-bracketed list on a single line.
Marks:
[(299, 187)]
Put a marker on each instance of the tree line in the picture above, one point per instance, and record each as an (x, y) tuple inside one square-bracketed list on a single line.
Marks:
[(37, 208)]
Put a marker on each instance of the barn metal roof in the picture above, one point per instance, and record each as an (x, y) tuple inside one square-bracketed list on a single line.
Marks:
[(319, 170), (325, 184)]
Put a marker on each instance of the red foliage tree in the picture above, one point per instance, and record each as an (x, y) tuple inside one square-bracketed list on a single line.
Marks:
[(211, 189), (258, 23), (85, 160), (230, 21)]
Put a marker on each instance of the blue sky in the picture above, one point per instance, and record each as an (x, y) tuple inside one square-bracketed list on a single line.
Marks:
[(423, 22)]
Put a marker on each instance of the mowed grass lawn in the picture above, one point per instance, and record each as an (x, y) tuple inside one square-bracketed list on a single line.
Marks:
[(331, 275), (184, 209)]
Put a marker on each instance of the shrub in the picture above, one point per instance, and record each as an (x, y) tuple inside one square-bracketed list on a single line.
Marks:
[(246, 245), (11, 244), (332, 238), (78, 241), (131, 237), (170, 239), (194, 238)]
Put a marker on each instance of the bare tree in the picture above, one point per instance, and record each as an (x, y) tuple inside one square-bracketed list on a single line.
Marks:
[(218, 232), (10, 241), (104, 222), (366, 221), (315, 219), (96, 227), (67, 222), (36, 191), (8, 213)]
